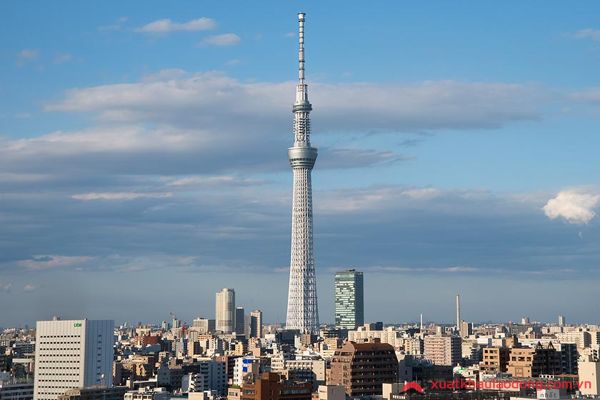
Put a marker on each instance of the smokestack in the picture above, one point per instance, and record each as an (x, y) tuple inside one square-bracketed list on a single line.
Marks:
[(458, 312)]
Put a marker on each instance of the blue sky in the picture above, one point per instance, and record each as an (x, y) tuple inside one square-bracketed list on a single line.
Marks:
[(143, 150)]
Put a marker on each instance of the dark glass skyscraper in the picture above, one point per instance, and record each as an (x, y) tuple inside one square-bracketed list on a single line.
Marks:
[(349, 299)]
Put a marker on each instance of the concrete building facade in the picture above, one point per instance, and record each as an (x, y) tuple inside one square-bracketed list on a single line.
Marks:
[(443, 350), (72, 354)]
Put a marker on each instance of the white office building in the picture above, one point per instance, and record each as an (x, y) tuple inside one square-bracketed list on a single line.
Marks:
[(72, 354), (225, 310)]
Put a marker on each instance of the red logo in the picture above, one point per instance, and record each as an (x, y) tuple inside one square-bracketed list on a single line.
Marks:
[(412, 385)]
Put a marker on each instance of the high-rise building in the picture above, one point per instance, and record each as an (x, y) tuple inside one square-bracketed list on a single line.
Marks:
[(256, 324), (302, 309), (443, 350), (561, 320), (225, 310), (240, 321), (362, 368), (349, 299), (72, 354)]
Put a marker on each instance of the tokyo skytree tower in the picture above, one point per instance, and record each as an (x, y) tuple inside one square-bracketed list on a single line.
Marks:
[(302, 309)]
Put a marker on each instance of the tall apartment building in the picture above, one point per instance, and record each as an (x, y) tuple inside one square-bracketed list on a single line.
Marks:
[(225, 310), (214, 375), (256, 324), (349, 299), (443, 350), (569, 357), (362, 368), (531, 362), (72, 354), (495, 360)]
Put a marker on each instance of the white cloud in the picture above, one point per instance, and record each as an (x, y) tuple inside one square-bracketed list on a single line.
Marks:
[(5, 286), (390, 197), (422, 193), (593, 34), (63, 58), (119, 196), (213, 181), (27, 55), (447, 270), (116, 26), (29, 287), (225, 39), (590, 95), (40, 262), (573, 206), (166, 25)]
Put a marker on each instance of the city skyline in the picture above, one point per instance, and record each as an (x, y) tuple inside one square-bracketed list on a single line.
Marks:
[(144, 147)]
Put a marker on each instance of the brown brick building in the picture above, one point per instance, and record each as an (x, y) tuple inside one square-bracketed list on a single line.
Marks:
[(528, 362), (363, 367), (270, 386)]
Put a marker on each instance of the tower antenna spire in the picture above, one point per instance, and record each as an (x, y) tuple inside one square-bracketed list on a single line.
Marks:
[(301, 47), (302, 310)]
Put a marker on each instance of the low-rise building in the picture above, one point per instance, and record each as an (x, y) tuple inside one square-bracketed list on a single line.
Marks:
[(94, 393)]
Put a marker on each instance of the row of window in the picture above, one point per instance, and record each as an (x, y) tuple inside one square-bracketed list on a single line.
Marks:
[(59, 355), (59, 336), (55, 342), (64, 362)]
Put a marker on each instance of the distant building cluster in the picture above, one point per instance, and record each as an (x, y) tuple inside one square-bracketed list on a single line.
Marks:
[(236, 356)]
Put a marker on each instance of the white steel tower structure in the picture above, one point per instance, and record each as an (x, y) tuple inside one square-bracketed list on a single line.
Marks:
[(302, 309)]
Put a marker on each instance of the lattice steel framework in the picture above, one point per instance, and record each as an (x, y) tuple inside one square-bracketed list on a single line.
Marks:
[(302, 310)]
